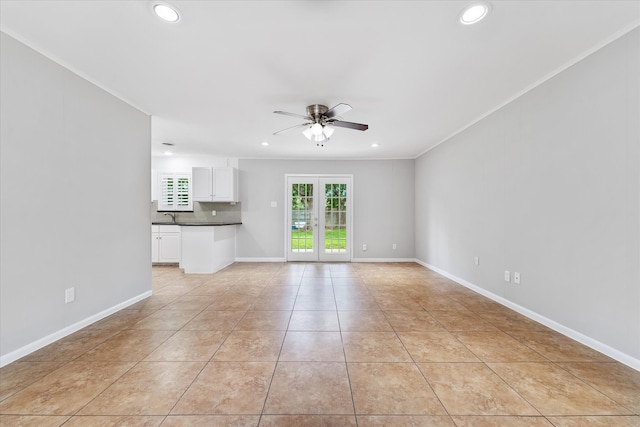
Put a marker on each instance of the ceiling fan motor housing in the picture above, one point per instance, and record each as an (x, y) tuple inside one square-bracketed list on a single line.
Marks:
[(316, 111)]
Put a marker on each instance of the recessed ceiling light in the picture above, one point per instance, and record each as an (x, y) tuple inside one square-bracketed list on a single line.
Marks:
[(375, 145), (168, 153), (474, 13), (264, 143), (166, 12)]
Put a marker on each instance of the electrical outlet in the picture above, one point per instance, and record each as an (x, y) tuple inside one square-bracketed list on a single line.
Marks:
[(214, 213), (274, 204), (364, 246), (394, 246), (516, 277), (476, 260), (69, 295), (507, 276)]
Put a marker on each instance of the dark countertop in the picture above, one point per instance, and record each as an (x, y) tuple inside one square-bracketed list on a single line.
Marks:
[(201, 224)]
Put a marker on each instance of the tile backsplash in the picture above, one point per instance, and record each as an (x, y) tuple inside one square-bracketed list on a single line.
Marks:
[(225, 212)]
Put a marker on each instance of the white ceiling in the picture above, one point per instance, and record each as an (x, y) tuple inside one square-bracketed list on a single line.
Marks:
[(408, 68)]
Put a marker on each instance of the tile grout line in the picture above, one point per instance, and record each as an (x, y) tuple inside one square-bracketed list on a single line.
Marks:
[(142, 359), (557, 364), (344, 354), (135, 363), (275, 367), (415, 364)]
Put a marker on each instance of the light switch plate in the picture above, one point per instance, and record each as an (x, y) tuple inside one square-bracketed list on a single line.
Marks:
[(507, 276)]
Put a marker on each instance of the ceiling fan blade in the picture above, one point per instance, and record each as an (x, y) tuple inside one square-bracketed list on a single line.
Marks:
[(300, 116), (350, 125), (292, 127), (337, 110)]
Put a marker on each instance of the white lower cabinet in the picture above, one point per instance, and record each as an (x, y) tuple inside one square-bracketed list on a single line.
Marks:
[(165, 243)]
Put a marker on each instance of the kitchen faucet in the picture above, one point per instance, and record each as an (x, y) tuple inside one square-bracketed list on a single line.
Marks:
[(172, 215)]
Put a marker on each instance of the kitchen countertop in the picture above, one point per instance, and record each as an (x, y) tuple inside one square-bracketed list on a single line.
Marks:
[(201, 224)]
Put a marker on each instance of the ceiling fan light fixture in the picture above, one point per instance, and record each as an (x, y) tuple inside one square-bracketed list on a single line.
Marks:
[(316, 129), (307, 133), (328, 131), (474, 13)]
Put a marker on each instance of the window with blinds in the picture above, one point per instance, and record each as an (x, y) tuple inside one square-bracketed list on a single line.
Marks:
[(175, 192), (183, 194)]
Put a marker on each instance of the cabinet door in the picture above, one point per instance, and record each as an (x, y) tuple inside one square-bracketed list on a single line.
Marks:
[(202, 184), (169, 248), (225, 186)]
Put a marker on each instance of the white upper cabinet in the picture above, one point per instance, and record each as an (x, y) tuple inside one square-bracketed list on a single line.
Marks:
[(202, 184), (174, 192), (215, 184), (225, 185)]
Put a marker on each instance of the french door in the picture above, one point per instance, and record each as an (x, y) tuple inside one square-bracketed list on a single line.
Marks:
[(318, 219)]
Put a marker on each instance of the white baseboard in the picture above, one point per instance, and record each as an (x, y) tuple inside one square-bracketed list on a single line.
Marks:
[(575, 335), (38, 344), (248, 259)]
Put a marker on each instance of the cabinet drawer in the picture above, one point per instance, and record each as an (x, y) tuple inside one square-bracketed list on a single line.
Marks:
[(168, 228)]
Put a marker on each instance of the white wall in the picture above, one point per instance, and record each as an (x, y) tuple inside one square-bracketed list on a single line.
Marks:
[(179, 163), (548, 186), (383, 210), (75, 178)]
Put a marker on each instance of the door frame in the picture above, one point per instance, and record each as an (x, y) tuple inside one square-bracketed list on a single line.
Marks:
[(287, 221)]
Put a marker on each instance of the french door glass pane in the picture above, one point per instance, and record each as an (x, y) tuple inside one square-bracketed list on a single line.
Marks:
[(302, 217), (335, 218)]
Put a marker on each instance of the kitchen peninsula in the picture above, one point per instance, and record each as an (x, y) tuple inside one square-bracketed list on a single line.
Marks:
[(204, 247)]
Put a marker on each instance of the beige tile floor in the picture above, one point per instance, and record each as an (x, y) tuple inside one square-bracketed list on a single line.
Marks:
[(316, 345)]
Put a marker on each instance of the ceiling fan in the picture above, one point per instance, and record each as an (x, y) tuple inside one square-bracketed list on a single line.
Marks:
[(321, 122)]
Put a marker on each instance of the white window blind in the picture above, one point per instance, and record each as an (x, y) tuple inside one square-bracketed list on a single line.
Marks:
[(183, 193), (175, 192)]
